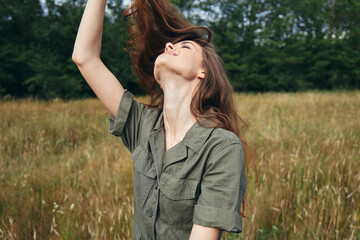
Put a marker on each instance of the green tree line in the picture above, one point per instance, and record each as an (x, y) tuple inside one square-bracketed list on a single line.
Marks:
[(266, 45)]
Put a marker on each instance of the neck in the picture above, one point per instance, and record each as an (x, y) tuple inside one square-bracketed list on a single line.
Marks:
[(178, 118)]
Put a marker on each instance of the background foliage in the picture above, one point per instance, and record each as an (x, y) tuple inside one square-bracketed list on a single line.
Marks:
[(266, 45)]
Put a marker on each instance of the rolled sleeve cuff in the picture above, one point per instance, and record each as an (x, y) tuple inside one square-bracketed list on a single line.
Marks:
[(223, 219), (116, 125)]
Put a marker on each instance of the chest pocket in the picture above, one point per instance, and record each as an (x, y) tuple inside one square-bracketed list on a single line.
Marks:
[(177, 200), (144, 174)]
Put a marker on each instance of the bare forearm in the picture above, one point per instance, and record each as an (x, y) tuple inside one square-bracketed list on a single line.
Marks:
[(88, 39), (199, 232)]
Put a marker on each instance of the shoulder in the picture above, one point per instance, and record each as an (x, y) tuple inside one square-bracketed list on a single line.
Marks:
[(223, 153), (222, 140)]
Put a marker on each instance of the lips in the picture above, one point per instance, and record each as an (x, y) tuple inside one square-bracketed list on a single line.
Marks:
[(170, 52)]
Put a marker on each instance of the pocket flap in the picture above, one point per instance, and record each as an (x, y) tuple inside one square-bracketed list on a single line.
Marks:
[(178, 189), (143, 163)]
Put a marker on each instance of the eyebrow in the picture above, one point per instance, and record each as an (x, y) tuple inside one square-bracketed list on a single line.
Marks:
[(189, 43)]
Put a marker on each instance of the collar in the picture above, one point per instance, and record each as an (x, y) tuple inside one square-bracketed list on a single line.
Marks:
[(195, 137)]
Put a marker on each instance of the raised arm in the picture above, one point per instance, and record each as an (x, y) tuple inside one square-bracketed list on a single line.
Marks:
[(86, 55)]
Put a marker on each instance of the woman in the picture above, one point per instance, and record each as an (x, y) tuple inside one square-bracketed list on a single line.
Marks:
[(189, 161)]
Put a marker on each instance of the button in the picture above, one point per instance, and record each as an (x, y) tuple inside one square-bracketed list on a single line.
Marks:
[(149, 237), (156, 185), (149, 213)]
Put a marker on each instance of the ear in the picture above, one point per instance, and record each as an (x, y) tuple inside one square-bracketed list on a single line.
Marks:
[(201, 74)]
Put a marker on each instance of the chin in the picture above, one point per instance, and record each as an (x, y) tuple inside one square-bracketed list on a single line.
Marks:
[(160, 60), (159, 66), (156, 72)]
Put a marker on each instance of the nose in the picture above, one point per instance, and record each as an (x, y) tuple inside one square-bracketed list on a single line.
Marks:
[(169, 46)]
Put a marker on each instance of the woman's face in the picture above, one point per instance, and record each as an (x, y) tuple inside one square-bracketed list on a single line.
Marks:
[(183, 58)]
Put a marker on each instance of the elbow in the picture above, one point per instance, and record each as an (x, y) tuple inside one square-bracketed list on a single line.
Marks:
[(81, 56), (77, 60), (82, 60), (74, 59)]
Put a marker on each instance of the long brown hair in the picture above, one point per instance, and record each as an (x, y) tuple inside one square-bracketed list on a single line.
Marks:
[(153, 23)]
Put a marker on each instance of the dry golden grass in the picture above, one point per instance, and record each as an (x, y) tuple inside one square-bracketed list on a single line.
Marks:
[(62, 175)]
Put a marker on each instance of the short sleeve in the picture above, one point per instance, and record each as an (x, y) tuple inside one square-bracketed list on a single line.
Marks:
[(223, 188), (128, 120)]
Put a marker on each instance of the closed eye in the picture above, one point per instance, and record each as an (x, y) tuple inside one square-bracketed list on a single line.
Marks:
[(184, 46)]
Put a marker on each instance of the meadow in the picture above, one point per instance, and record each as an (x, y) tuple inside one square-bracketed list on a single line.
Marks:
[(64, 176)]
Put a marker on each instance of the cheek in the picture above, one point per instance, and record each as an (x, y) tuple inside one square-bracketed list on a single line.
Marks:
[(192, 66), (197, 64), (188, 65)]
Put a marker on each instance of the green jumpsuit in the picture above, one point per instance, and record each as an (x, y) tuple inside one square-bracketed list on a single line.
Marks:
[(199, 180)]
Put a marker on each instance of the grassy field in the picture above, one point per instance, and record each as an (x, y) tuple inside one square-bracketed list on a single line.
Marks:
[(62, 175)]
